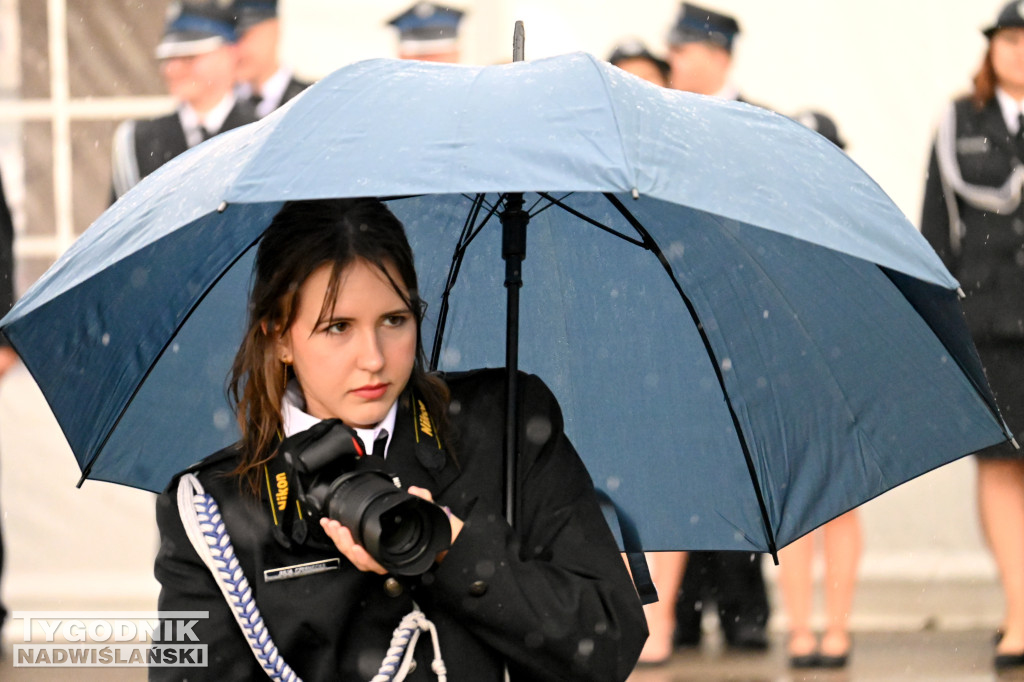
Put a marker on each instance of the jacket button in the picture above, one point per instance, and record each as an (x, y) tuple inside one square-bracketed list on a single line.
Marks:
[(478, 588), (392, 587)]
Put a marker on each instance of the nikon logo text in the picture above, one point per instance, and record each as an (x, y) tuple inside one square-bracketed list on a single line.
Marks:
[(282, 491)]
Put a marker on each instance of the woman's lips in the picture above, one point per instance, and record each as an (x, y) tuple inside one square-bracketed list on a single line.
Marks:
[(371, 392)]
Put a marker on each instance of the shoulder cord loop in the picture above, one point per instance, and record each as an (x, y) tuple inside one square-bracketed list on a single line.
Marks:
[(201, 518), (1001, 200), (398, 660)]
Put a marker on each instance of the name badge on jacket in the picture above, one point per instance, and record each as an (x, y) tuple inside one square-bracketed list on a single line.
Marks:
[(301, 570), (972, 145)]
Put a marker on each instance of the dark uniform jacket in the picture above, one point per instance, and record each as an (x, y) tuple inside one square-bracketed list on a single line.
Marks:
[(985, 252), (552, 600), (154, 142), (295, 86)]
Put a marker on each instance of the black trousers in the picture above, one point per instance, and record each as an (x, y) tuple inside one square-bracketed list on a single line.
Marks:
[(733, 581)]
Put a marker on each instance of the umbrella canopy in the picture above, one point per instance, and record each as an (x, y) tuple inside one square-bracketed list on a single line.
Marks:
[(746, 335)]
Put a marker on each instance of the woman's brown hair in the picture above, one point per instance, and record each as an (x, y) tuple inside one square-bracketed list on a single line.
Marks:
[(984, 81), (304, 236)]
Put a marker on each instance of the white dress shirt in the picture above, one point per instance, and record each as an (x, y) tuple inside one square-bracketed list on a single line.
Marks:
[(271, 92), (296, 419), (212, 121), (1011, 109)]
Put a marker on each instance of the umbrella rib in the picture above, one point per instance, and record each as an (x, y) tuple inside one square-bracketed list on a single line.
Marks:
[(482, 200), (87, 469), (541, 197), (467, 235), (652, 246), (602, 226)]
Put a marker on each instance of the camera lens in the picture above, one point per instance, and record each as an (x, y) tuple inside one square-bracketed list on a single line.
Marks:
[(401, 531)]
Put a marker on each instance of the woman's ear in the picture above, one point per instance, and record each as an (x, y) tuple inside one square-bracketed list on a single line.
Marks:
[(282, 344), (284, 351)]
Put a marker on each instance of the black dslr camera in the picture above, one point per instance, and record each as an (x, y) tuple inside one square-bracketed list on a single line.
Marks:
[(404, 533)]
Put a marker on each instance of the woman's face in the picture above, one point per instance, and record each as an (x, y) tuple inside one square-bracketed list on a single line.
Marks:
[(1008, 58), (645, 68), (699, 67), (199, 78), (354, 364)]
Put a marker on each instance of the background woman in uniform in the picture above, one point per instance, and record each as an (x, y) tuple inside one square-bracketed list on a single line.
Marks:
[(334, 333), (974, 218)]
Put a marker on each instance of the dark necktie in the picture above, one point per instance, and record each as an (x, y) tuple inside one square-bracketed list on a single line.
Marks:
[(255, 100), (380, 443), (1018, 139), (204, 134)]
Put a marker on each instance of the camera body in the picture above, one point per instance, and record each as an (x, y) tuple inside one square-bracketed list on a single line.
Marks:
[(335, 480)]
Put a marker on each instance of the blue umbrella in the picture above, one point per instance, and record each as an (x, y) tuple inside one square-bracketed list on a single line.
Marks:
[(746, 335)]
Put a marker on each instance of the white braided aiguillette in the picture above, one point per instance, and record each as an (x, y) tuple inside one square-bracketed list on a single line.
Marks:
[(205, 528)]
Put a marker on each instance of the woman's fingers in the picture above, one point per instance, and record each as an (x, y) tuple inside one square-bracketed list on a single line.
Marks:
[(355, 553), (452, 518), (420, 492)]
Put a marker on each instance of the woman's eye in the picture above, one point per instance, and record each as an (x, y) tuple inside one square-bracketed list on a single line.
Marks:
[(396, 320), (338, 327)]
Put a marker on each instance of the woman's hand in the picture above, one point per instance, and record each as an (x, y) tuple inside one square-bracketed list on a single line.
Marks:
[(357, 554), (452, 518)]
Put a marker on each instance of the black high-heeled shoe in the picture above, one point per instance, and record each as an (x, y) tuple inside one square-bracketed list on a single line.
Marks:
[(835, 661), (1006, 661), (804, 660), (808, 660), (839, 661)]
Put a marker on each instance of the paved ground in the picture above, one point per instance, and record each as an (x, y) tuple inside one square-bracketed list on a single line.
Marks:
[(940, 656), (946, 656)]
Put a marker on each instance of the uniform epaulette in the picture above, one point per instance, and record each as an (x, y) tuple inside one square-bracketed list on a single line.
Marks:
[(218, 457)]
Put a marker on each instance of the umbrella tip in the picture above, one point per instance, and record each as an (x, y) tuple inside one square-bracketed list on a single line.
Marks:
[(223, 207), (518, 42), (960, 293), (1014, 442), (635, 193)]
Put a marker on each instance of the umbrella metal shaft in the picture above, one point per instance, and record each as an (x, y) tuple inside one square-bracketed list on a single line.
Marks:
[(513, 250)]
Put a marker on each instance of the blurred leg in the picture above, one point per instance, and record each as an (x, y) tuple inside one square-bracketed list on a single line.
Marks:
[(843, 544), (694, 595), (742, 599), (667, 574), (796, 586), (1001, 507)]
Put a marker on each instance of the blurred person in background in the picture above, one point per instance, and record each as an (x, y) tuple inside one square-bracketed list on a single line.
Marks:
[(8, 357), (262, 79), (633, 56), (700, 45), (973, 216), (429, 33), (197, 57), (842, 546)]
